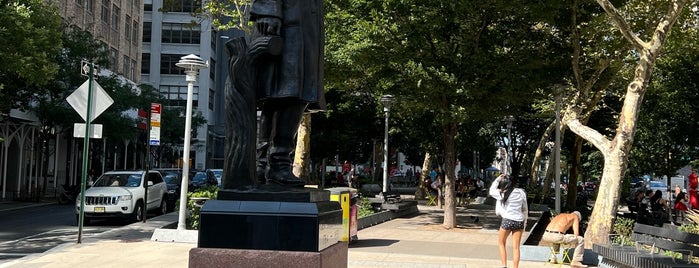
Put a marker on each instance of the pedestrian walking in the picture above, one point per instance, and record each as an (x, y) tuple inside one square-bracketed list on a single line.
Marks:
[(511, 206)]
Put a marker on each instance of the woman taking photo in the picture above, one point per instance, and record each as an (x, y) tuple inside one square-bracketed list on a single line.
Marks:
[(511, 206)]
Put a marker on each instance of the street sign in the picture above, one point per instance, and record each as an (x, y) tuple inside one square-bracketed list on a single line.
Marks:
[(95, 131), (85, 68), (155, 111), (100, 100)]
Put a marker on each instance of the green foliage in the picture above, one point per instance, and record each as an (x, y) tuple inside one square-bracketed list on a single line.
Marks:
[(193, 207), (691, 228), (31, 40), (364, 208), (623, 227)]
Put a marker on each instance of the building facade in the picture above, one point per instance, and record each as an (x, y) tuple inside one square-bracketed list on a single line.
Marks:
[(169, 33), (115, 23)]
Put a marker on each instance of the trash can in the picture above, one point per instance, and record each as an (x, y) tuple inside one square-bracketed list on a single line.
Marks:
[(344, 195)]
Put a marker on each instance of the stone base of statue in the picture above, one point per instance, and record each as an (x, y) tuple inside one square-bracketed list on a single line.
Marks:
[(276, 224), (334, 256)]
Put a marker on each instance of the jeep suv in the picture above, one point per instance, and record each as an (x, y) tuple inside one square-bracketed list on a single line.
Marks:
[(120, 194)]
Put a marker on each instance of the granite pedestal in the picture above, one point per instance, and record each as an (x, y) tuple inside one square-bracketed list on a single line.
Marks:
[(334, 256), (278, 227)]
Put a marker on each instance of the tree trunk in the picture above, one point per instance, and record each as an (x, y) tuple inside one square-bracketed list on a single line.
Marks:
[(450, 177), (424, 173), (534, 174), (303, 142), (601, 220)]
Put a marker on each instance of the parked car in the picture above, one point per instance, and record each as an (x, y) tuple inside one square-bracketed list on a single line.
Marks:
[(173, 180), (202, 179), (216, 173), (121, 194)]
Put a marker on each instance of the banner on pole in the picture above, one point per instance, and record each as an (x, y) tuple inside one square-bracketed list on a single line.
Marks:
[(155, 111)]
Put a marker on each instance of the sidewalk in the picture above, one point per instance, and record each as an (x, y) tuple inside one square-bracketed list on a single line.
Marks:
[(418, 241)]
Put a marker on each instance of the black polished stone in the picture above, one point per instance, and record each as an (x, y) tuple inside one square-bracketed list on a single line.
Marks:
[(273, 192), (270, 225)]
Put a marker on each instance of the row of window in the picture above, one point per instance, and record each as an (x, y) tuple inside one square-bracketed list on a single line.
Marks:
[(188, 6), (178, 33)]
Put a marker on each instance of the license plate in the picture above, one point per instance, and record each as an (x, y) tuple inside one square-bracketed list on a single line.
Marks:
[(99, 209)]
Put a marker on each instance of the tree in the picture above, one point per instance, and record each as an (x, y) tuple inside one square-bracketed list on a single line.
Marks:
[(666, 138), (447, 62), (617, 149), (31, 40)]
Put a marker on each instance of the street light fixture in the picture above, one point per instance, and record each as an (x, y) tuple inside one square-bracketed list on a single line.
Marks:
[(387, 101), (191, 65)]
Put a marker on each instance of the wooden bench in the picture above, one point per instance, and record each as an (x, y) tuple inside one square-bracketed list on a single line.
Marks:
[(650, 248)]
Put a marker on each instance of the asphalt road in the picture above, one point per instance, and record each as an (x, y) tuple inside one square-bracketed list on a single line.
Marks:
[(38, 229)]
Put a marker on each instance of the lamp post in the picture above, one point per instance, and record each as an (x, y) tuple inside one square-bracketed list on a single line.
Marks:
[(191, 65), (509, 120), (387, 101), (557, 150)]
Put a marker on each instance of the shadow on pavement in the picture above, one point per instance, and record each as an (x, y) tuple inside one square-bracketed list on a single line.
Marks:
[(367, 243)]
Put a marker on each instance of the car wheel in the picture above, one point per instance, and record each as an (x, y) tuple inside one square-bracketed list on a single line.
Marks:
[(137, 214), (163, 206)]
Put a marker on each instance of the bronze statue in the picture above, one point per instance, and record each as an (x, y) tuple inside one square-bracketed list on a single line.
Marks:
[(281, 73)]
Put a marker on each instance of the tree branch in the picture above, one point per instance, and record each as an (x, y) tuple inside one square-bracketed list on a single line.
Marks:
[(623, 26), (665, 25), (589, 134)]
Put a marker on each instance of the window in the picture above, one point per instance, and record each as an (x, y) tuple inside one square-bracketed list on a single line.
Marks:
[(113, 60), (133, 70), (146, 32), (180, 33), (105, 11), (79, 2), (212, 68), (134, 30), (126, 63), (177, 95), (127, 28), (116, 12), (145, 63), (211, 99), (167, 64), (89, 5), (188, 6)]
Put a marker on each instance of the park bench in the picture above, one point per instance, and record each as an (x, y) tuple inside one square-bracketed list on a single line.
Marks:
[(651, 247)]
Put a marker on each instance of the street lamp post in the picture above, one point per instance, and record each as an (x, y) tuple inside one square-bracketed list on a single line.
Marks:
[(191, 65), (387, 101), (557, 151), (509, 120)]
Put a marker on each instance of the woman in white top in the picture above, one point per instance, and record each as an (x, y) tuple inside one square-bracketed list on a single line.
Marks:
[(511, 205)]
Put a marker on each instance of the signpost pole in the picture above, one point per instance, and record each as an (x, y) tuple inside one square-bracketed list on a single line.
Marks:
[(86, 150)]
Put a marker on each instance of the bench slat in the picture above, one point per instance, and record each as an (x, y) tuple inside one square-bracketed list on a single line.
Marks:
[(666, 244)]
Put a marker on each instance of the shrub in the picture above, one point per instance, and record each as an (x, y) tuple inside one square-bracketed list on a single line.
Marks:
[(623, 227), (193, 210), (364, 208)]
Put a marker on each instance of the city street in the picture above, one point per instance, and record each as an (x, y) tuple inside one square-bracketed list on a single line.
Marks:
[(38, 229)]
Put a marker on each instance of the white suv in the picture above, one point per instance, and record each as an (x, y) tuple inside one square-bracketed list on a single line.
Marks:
[(120, 194)]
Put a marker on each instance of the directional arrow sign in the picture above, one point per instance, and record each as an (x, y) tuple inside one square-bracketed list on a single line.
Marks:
[(100, 100)]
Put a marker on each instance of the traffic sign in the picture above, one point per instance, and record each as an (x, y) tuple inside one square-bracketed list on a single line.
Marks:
[(100, 100), (95, 130)]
